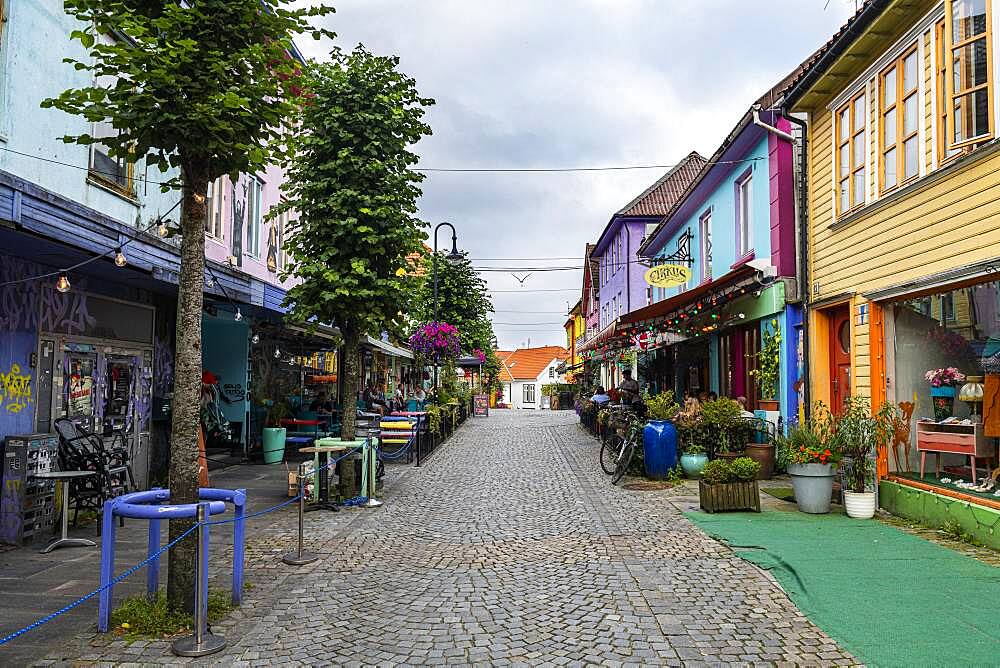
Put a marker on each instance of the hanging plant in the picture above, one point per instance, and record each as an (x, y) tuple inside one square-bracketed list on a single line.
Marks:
[(766, 373), (436, 341)]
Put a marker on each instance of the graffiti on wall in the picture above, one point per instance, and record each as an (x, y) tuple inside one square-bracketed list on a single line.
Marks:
[(65, 312), (272, 247), (15, 389)]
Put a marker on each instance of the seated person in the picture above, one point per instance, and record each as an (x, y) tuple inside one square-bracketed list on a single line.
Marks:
[(628, 389), (420, 395), (600, 397), (321, 404), (742, 401)]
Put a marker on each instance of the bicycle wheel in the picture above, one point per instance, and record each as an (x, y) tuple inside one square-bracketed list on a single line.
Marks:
[(624, 460), (610, 447)]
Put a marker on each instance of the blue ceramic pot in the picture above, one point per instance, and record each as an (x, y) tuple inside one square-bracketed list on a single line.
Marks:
[(659, 448)]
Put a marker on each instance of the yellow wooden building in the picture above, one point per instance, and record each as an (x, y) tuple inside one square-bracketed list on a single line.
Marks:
[(902, 202), (575, 326)]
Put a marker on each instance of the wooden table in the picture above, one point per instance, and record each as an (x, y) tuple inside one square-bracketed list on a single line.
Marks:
[(953, 438), (62, 479)]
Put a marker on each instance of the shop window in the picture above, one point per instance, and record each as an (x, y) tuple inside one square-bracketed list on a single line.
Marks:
[(850, 155), (970, 94), (529, 393), (898, 85), (705, 240), (744, 215), (948, 307), (214, 203), (254, 189)]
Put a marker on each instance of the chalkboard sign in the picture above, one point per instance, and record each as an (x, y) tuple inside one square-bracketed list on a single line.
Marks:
[(481, 405)]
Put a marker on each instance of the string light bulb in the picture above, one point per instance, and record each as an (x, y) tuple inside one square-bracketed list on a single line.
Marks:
[(120, 260), (277, 353), (255, 339), (162, 230), (238, 316), (199, 198), (62, 283), (209, 283)]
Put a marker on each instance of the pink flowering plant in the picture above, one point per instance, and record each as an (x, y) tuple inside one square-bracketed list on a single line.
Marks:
[(480, 355), (436, 341), (947, 377)]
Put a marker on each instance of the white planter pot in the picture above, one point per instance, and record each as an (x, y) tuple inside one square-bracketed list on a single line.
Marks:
[(860, 505)]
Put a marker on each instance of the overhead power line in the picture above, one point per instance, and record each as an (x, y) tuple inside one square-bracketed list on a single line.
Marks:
[(527, 290), (532, 170)]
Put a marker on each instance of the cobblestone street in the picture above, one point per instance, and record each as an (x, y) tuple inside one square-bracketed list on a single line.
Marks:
[(511, 547)]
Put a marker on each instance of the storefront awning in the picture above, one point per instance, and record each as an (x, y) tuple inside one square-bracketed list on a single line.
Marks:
[(387, 348), (668, 306), (601, 337)]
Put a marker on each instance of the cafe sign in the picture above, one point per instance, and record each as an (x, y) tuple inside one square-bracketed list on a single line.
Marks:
[(668, 275)]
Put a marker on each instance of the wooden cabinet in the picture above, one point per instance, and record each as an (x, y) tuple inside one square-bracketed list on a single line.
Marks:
[(953, 438)]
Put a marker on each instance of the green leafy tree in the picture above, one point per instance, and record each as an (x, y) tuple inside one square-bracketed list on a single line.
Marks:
[(205, 88), (352, 188)]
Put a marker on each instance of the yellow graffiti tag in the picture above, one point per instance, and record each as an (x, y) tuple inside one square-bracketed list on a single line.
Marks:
[(15, 390)]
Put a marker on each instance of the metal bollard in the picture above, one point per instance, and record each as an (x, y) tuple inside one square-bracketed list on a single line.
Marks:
[(370, 465), (300, 557), (201, 642)]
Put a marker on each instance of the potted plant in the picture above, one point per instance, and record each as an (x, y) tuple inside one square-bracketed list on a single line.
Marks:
[(659, 437), (720, 417), (859, 433), (766, 370), (943, 389), (729, 485), (812, 459), (274, 434), (691, 435)]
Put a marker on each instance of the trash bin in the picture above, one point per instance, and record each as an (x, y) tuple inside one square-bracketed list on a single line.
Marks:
[(659, 448)]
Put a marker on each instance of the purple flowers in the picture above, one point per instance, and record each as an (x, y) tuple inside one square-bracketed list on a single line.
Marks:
[(480, 355), (949, 376), (436, 341)]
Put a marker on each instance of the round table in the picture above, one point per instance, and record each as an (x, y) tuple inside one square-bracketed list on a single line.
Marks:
[(62, 479)]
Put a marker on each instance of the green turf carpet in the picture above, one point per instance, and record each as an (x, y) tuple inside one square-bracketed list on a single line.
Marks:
[(890, 598)]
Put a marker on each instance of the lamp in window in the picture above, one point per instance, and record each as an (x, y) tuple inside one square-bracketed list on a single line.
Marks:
[(62, 283), (972, 394)]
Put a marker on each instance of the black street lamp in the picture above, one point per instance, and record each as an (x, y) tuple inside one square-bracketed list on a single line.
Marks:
[(453, 257)]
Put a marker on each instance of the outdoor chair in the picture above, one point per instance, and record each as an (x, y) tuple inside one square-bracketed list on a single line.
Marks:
[(82, 450)]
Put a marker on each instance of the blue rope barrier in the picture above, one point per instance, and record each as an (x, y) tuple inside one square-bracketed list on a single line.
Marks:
[(50, 617), (256, 514), (398, 453)]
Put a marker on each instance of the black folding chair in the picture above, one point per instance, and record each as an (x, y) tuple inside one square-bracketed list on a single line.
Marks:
[(82, 450)]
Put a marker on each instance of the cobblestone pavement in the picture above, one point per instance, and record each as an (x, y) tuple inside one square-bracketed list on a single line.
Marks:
[(511, 547)]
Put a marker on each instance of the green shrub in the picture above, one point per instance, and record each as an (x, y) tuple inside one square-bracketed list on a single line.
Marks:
[(717, 472), (745, 469), (662, 406)]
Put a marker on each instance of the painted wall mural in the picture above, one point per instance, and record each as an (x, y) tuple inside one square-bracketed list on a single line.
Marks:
[(15, 390), (19, 315)]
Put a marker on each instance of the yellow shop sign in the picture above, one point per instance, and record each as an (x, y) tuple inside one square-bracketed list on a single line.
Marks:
[(668, 275)]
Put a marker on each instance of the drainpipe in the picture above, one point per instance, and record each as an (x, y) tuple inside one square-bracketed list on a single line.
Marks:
[(802, 218), (770, 128)]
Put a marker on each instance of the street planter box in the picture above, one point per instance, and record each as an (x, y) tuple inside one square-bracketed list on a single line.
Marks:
[(729, 496)]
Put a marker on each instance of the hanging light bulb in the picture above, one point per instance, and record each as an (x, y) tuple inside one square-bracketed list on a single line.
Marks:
[(120, 260), (742, 316), (277, 353), (62, 283), (238, 315), (199, 198), (162, 230), (255, 339), (209, 283)]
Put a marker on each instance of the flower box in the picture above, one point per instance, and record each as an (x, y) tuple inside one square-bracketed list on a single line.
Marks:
[(729, 496)]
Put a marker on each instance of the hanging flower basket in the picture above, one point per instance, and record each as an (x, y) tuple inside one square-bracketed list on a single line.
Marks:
[(436, 341)]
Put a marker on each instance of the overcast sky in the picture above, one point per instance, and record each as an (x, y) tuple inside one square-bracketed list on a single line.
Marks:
[(571, 83)]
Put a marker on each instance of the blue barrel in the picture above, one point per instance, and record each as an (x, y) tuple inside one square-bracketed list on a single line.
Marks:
[(659, 447)]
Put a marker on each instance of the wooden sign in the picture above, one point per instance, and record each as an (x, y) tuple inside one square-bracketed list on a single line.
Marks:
[(668, 275), (481, 405)]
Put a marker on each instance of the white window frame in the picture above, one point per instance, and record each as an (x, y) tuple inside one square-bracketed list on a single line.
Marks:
[(104, 129), (255, 190), (705, 245), (215, 202), (281, 223), (744, 215), (528, 390)]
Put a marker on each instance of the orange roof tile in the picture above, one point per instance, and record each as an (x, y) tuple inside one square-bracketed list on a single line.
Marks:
[(527, 363)]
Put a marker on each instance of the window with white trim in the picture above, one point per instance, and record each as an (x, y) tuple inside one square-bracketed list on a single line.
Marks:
[(253, 216), (968, 38), (705, 242), (115, 171), (744, 216), (214, 206), (529, 393), (850, 122)]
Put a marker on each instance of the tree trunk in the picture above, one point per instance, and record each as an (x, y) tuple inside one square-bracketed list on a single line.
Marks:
[(186, 423), (352, 339)]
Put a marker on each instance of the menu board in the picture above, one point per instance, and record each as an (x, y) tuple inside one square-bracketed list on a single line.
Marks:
[(481, 405)]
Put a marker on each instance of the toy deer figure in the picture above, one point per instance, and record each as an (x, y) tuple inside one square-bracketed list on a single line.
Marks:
[(901, 435)]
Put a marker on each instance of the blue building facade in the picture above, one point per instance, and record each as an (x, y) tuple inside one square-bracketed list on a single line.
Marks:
[(734, 228)]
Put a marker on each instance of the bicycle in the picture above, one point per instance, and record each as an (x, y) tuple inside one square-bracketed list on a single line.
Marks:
[(618, 449)]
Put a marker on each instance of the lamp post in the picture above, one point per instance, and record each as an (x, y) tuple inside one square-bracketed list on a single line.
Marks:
[(453, 257)]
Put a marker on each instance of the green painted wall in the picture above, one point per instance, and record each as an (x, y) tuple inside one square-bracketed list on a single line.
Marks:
[(935, 510)]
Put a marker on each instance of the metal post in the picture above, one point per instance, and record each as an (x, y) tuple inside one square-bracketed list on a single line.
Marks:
[(239, 543), (371, 468), (201, 642), (107, 566), (153, 569), (300, 557)]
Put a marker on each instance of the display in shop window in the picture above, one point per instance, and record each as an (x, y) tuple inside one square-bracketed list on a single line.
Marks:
[(944, 384)]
